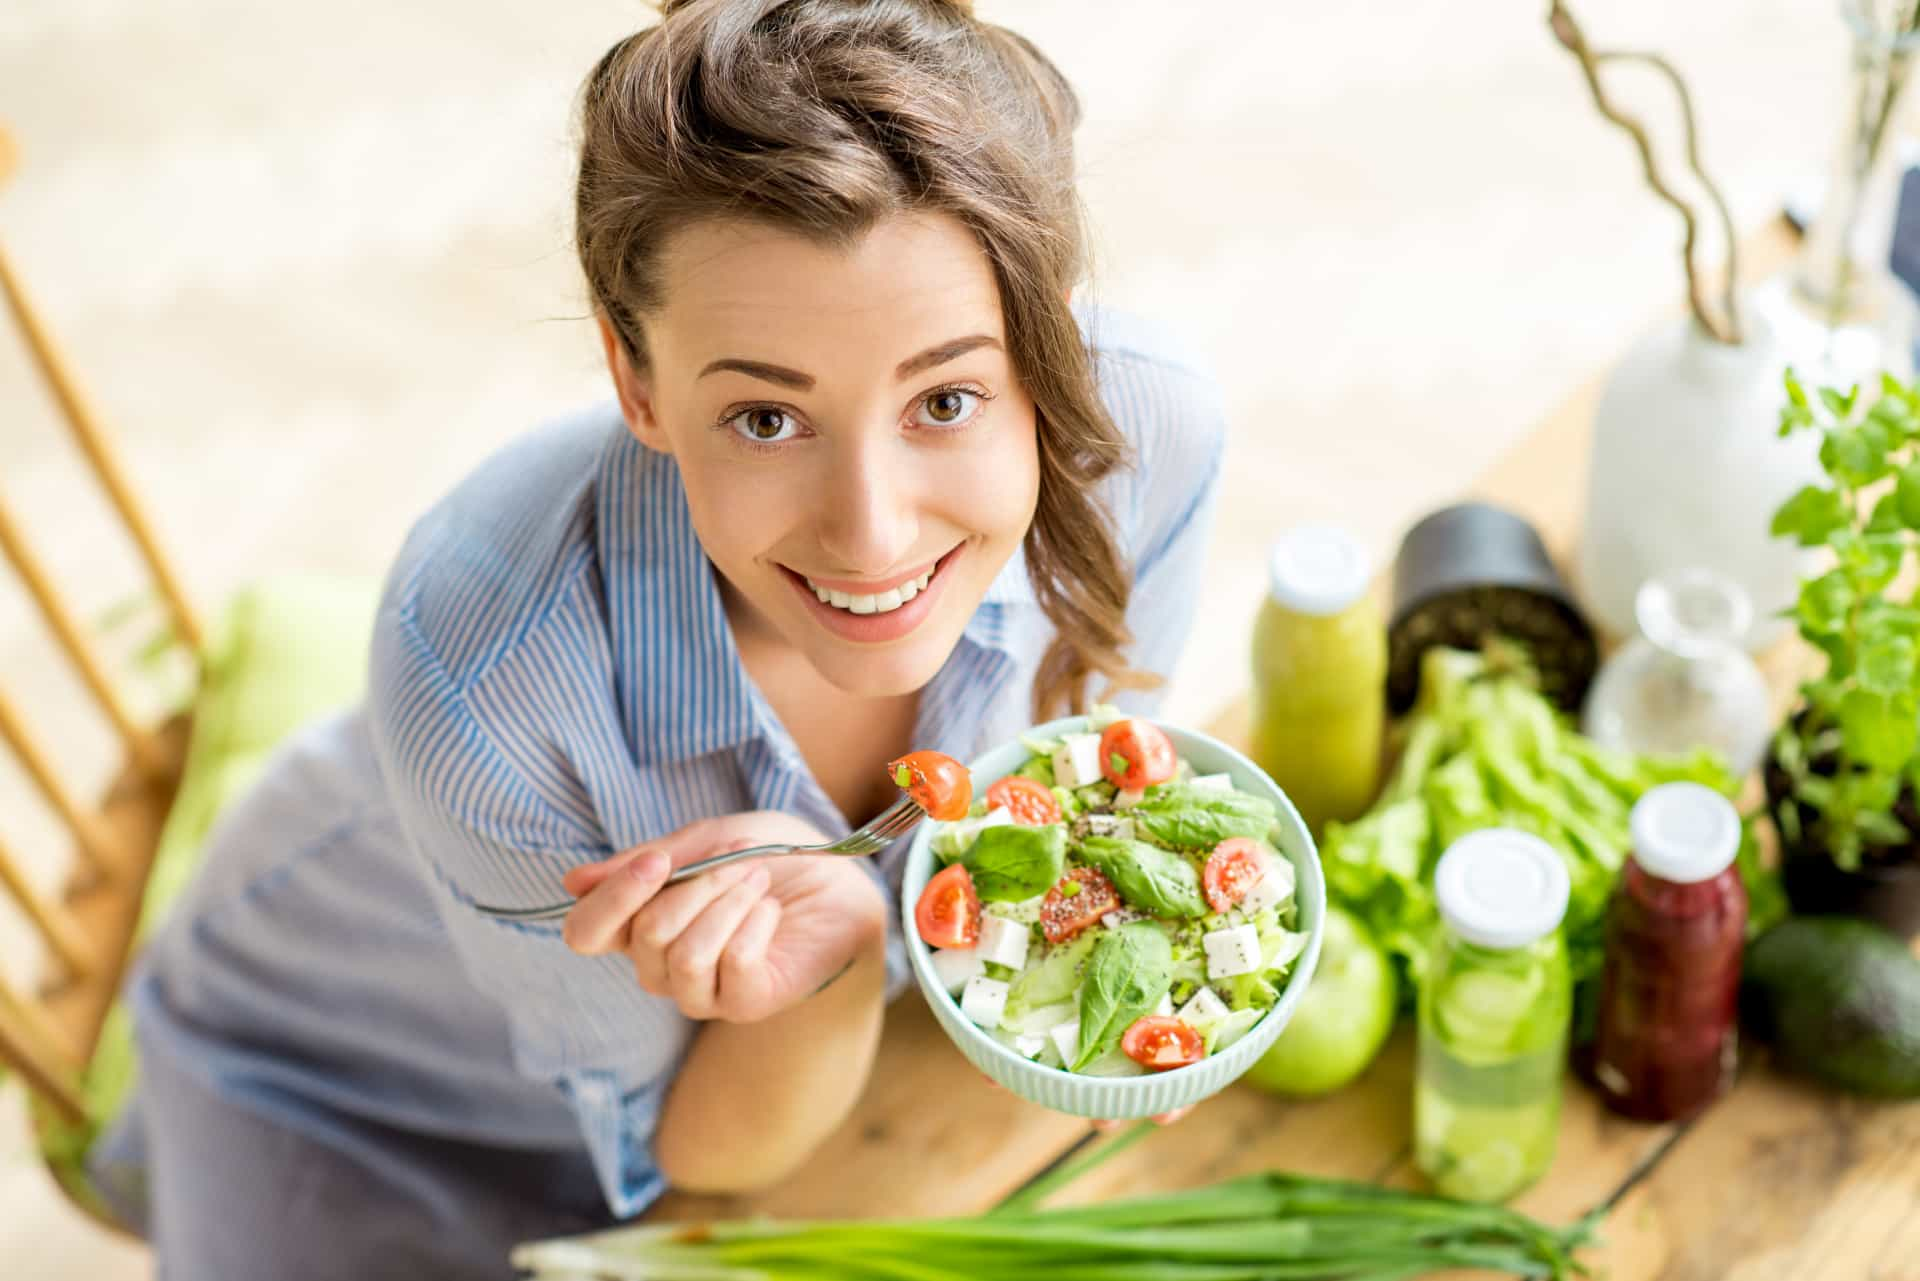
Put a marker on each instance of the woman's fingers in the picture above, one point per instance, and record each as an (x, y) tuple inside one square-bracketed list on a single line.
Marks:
[(695, 950), (744, 991), (598, 922)]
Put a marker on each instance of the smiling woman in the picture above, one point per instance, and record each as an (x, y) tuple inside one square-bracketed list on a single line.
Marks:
[(871, 484)]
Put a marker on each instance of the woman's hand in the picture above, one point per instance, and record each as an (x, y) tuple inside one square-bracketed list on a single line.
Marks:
[(741, 943)]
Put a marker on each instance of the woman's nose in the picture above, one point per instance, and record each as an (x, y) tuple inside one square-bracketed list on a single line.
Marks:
[(869, 520)]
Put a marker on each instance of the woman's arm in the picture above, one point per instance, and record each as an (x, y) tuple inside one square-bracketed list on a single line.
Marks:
[(782, 959), (753, 1099)]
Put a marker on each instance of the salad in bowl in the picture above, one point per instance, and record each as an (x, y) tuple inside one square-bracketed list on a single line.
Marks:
[(1121, 920)]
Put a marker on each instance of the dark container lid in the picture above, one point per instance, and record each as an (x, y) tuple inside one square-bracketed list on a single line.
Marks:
[(1473, 571)]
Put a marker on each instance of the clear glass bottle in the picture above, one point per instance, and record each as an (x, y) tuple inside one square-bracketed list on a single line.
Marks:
[(1685, 682), (1667, 1041), (1319, 675), (1496, 1007)]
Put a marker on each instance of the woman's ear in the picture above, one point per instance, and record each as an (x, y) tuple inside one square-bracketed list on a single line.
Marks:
[(634, 390)]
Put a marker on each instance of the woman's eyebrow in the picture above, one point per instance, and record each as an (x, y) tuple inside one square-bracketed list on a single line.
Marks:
[(779, 374), (952, 349)]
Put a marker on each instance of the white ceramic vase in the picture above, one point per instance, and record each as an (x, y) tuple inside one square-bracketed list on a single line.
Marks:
[(1687, 470)]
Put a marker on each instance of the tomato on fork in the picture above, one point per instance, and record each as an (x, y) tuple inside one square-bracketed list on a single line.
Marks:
[(939, 784)]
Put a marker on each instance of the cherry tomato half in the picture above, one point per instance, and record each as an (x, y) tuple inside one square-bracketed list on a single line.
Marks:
[(1065, 911), (1232, 869), (1135, 754), (1159, 1043), (948, 913), (940, 784), (1028, 799)]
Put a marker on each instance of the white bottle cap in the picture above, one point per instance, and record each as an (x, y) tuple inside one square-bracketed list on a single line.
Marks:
[(1684, 832), (1501, 888), (1317, 569)]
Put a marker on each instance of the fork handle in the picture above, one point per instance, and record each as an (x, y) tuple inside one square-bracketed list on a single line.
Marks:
[(554, 911)]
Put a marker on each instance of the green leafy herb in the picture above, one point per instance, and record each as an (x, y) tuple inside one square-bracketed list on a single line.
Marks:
[(1011, 862), (1158, 882), (1198, 818), (1857, 743), (1130, 970)]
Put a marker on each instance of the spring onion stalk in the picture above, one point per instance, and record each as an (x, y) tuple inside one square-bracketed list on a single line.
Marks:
[(1270, 1227)]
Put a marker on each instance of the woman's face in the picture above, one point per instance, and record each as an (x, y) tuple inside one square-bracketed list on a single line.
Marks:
[(849, 426)]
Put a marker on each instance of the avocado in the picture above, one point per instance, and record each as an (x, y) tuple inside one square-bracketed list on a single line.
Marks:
[(1840, 1000)]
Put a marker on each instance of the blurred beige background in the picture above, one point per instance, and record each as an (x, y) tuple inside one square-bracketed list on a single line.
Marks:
[(312, 260)]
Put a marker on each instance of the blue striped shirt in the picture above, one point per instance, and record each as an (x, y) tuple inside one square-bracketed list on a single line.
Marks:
[(553, 680)]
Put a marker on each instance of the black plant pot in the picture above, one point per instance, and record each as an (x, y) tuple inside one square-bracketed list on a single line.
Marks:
[(1885, 888)]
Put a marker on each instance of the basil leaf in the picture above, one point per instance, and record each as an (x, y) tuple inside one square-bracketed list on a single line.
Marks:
[(1010, 863), (1129, 971), (1196, 818), (1156, 881)]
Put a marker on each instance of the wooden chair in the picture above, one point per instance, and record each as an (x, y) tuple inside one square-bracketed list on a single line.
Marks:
[(48, 1036)]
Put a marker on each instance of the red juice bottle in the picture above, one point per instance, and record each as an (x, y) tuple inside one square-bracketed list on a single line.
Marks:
[(1667, 1039)]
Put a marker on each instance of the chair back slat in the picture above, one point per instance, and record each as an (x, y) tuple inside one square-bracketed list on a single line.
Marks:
[(96, 845), (87, 432), (56, 926), (47, 1037), (60, 620), (33, 1047)]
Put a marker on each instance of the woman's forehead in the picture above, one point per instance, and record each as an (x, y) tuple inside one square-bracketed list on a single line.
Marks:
[(757, 292)]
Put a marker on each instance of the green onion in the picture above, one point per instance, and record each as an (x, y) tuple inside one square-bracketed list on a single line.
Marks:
[(1269, 1227)]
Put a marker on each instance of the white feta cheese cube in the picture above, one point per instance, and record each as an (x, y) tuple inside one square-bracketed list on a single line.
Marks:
[(1165, 1008), (1231, 952), (1274, 886), (1066, 1039), (1202, 1006), (1110, 825), (1127, 800), (1077, 761), (984, 1000), (953, 966), (1211, 782), (1030, 1046), (1003, 942)]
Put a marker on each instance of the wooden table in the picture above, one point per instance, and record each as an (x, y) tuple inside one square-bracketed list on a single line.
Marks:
[(1779, 1181)]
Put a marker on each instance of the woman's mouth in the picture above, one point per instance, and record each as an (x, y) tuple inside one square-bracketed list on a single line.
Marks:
[(877, 612), (878, 603)]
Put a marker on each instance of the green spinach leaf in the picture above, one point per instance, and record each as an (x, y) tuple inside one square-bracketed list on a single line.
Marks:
[(1129, 971), (1010, 863), (1156, 881)]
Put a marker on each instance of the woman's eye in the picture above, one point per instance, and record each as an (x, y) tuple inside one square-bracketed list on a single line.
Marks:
[(948, 408), (765, 425)]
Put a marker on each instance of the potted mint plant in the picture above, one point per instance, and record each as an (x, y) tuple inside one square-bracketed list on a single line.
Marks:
[(1842, 772)]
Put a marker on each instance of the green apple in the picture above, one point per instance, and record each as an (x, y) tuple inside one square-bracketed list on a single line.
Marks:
[(1341, 1022)]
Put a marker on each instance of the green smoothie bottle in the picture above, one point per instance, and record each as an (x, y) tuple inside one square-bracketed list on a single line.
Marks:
[(1319, 675), (1496, 1006)]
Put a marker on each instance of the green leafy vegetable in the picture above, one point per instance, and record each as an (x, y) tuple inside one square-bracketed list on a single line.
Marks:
[(1198, 818), (1484, 749), (1861, 614), (1052, 979), (1130, 970), (1010, 863), (1156, 881), (1264, 1226)]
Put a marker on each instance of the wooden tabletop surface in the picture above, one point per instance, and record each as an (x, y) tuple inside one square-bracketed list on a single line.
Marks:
[(1779, 1181)]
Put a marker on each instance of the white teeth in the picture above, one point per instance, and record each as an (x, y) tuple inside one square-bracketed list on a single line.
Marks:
[(880, 603)]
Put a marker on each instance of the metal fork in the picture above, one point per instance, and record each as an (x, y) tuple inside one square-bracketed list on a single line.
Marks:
[(869, 838)]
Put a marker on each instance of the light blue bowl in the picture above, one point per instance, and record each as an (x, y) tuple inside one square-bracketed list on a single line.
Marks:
[(1135, 1096)]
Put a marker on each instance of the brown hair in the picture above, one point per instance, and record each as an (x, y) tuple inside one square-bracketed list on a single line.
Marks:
[(826, 116)]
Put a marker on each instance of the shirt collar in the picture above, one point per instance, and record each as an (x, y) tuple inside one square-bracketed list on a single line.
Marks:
[(681, 687)]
